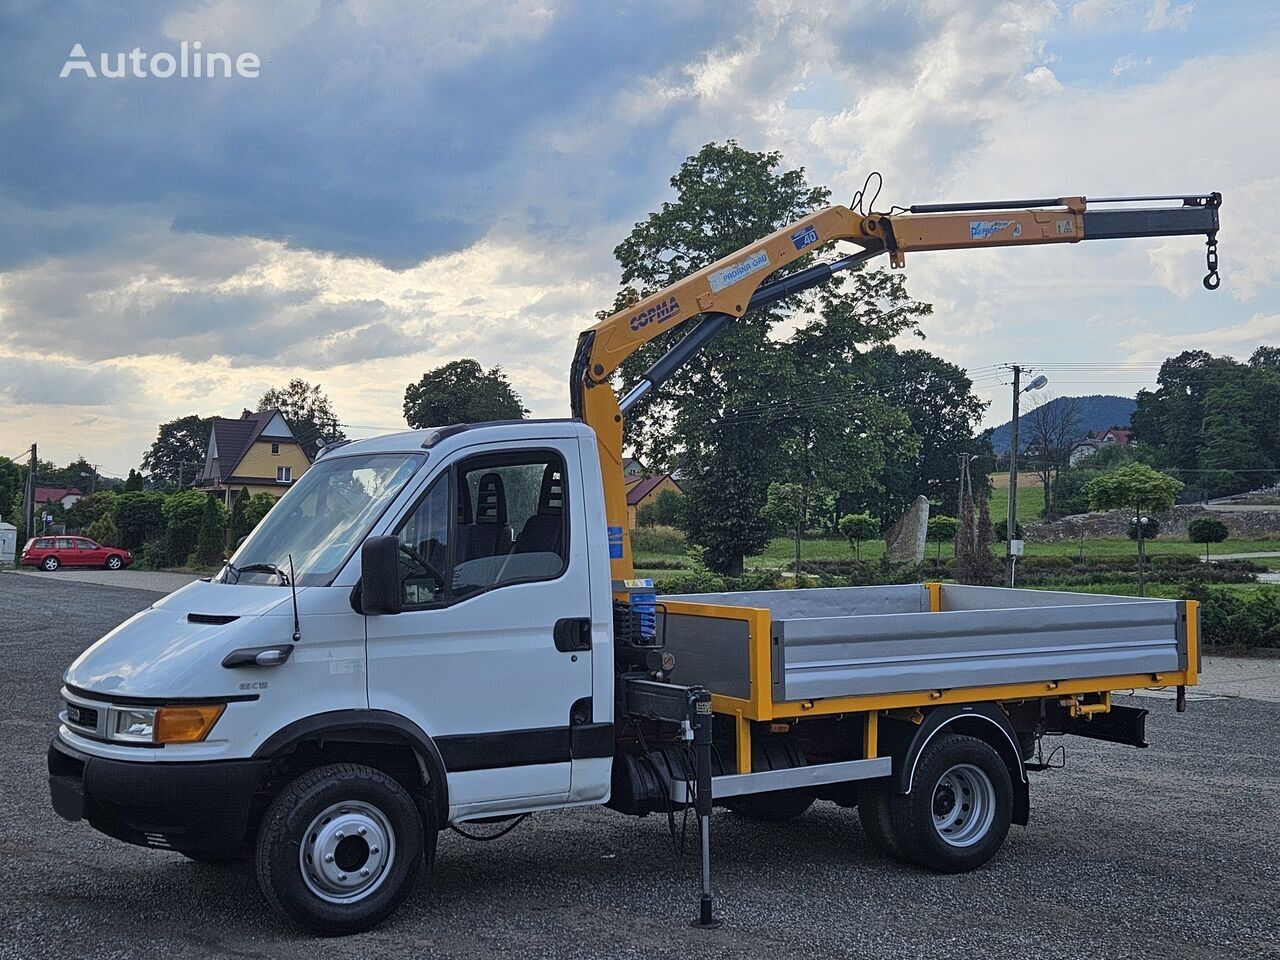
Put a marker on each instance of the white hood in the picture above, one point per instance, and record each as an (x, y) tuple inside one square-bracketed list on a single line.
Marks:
[(161, 653)]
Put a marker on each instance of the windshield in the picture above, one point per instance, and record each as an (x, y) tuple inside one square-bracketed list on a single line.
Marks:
[(322, 519)]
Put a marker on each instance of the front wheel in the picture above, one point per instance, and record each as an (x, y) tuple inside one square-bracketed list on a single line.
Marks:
[(114, 562), (340, 847), (958, 811)]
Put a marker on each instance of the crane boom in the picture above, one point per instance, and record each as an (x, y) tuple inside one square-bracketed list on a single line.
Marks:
[(728, 288)]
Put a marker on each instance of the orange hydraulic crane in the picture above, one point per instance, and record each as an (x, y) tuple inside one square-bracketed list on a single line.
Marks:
[(730, 287)]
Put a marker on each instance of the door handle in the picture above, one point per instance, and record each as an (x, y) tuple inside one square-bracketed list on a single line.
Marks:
[(573, 634)]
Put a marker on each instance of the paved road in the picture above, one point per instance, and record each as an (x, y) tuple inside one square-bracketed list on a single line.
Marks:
[(1162, 853), (157, 580)]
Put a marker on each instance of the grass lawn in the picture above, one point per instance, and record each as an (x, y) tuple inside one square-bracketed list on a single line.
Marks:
[(1030, 505)]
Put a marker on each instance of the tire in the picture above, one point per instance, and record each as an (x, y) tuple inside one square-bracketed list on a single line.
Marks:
[(958, 811), (333, 884), (877, 824), (777, 807), (115, 562), (50, 564)]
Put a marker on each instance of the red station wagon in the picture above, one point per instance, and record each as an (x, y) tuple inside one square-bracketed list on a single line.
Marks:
[(50, 553)]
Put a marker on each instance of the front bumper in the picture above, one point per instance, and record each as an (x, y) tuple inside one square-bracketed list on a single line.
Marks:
[(199, 807)]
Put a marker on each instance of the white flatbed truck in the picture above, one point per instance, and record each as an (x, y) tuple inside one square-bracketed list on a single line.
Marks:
[(442, 626)]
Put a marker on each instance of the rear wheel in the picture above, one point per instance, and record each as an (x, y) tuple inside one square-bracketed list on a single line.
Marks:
[(115, 562), (958, 811), (340, 847), (49, 563)]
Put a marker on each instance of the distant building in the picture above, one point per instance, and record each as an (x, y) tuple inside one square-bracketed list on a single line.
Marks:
[(645, 490), (1120, 435), (257, 452), (63, 496), (632, 469), (1097, 439)]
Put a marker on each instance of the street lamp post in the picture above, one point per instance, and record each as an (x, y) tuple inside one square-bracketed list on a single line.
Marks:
[(1011, 523)]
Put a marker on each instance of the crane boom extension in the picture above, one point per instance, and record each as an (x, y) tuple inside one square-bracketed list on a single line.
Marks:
[(728, 288)]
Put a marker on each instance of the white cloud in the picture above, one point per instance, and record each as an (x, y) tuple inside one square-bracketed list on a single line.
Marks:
[(1165, 15), (1238, 340), (1089, 12), (1127, 63)]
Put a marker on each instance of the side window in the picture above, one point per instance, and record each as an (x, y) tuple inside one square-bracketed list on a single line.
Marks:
[(45, 543), (86, 544), (510, 525), (424, 548), (66, 543)]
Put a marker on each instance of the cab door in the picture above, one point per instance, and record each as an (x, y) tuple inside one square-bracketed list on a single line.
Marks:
[(491, 655)]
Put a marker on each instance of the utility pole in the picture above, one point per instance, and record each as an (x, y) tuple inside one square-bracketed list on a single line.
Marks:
[(1011, 524), (29, 495)]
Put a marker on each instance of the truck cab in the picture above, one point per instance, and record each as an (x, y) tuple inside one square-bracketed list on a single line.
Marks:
[(488, 692)]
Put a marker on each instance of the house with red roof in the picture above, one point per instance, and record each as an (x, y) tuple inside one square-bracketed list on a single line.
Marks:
[(644, 490)]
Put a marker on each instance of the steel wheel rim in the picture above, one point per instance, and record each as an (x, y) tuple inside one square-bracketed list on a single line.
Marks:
[(347, 852), (964, 805)]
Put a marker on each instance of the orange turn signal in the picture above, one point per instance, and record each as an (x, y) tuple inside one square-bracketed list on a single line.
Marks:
[(186, 724)]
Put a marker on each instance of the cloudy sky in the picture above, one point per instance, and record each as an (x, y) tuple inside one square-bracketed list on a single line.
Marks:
[(407, 183)]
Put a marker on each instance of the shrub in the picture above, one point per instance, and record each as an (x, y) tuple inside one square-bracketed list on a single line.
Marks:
[(103, 531), (183, 513), (139, 517), (1229, 618), (658, 539), (661, 563), (212, 536), (259, 506), (1151, 529), (1206, 530)]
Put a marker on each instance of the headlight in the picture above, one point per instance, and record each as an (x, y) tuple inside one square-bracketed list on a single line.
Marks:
[(133, 724), (185, 723)]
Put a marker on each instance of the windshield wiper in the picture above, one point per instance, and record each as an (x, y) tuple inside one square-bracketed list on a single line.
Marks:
[(270, 568)]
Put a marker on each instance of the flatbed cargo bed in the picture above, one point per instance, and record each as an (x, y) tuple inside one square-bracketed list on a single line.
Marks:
[(781, 653)]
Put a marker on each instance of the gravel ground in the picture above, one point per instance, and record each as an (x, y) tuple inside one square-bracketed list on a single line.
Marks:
[(158, 580), (1165, 852)]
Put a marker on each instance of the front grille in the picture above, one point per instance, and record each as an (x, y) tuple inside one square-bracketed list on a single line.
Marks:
[(79, 716)]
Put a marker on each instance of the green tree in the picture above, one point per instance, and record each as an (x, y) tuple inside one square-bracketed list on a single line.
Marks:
[(308, 411), (856, 527), (664, 511), (177, 455), (183, 515), (257, 507), (1135, 487), (139, 517), (1206, 530), (85, 511), (239, 522), (942, 529), (133, 483), (789, 508), (938, 398), (461, 391), (755, 409), (212, 534)]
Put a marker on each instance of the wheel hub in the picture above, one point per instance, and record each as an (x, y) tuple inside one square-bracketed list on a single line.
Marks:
[(347, 851), (964, 805)]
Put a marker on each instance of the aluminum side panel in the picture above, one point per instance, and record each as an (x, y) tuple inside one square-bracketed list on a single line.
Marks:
[(852, 656)]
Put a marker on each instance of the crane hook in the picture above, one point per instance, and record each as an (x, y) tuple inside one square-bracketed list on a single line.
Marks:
[(1211, 280)]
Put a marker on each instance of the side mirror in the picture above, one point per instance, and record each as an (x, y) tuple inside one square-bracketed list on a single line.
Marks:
[(380, 576)]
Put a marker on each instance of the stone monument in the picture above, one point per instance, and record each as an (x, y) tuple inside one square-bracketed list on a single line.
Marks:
[(906, 540)]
